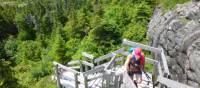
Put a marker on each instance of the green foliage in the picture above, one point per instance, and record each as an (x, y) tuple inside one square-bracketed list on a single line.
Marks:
[(149, 67), (45, 82), (28, 50), (41, 69), (11, 47), (135, 32), (6, 28), (7, 80), (57, 46), (170, 4), (106, 35), (71, 48), (112, 14), (25, 26), (143, 13), (46, 30)]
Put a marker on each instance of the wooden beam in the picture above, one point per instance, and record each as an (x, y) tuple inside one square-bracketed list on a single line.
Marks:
[(160, 70), (128, 81), (85, 81), (102, 65), (152, 61), (164, 62), (109, 55), (119, 59), (93, 71), (172, 83), (85, 54), (81, 66), (125, 53), (64, 67), (75, 67), (112, 61), (87, 63), (145, 47), (76, 80), (73, 62), (58, 77)]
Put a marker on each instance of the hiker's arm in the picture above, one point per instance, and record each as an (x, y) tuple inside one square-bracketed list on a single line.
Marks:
[(127, 62), (142, 62)]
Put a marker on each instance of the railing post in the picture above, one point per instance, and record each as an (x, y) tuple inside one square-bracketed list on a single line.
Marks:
[(102, 83), (120, 80), (58, 77), (154, 74), (92, 61), (86, 68), (98, 63), (76, 80), (117, 81), (158, 70), (88, 56), (164, 63), (85, 81), (81, 66)]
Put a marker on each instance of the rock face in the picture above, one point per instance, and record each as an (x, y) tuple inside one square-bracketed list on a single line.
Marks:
[(178, 32)]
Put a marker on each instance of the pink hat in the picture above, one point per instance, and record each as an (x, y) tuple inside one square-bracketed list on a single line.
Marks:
[(138, 52)]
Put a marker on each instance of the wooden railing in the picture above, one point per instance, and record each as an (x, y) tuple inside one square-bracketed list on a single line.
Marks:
[(161, 68), (145, 47), (107, 56), (105, 69), (164, 62), (58, 66), (128, 82), (91, 72), (172, 83), (88, 57), (80, 64)]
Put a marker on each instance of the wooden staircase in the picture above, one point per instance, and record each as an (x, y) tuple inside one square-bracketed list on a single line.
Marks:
[(107, 71)]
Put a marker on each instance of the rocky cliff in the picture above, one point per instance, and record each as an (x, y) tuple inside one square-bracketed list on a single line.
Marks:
[(178, 32)]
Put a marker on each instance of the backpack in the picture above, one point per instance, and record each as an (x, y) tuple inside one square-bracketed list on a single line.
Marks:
[(135, 64)]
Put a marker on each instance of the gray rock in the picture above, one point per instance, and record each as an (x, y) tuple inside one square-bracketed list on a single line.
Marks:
[(178, 32), (195, 85)]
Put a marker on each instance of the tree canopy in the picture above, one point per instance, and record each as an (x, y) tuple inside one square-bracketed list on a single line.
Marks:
[(33, 33)]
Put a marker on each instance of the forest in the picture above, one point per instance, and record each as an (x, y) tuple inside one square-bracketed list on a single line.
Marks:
[(33, 33)]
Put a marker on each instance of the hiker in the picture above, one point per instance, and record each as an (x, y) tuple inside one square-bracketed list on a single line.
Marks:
[(135, 63)]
